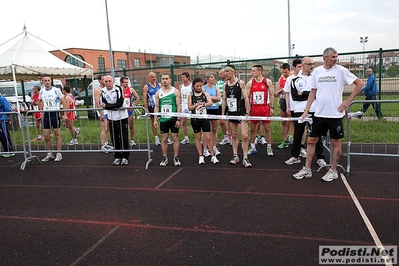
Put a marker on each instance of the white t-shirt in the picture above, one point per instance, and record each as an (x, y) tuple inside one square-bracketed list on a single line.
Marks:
[(51, 98), (301, 84), (329, 85)]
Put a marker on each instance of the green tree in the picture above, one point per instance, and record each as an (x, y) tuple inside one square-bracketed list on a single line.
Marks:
[(275, 74), (392, 71)]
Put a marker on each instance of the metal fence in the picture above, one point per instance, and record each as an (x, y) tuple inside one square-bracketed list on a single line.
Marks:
[(373, 135), (89, 140)]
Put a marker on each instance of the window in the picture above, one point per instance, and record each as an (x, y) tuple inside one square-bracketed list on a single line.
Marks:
[(121, 64), (137, 62), (73, 61), (101, 64)]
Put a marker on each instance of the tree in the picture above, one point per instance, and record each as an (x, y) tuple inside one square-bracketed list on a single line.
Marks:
[(275, 74), (392, 71)]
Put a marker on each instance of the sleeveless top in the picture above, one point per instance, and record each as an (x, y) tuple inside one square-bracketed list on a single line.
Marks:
[(259, 95), (167, 104), (282, 84), (185, 91), (151, 94), (198, 99), (212, 92), (235, 100), (51, 98)]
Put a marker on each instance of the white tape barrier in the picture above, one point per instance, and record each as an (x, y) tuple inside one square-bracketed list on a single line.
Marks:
[(227, 117)]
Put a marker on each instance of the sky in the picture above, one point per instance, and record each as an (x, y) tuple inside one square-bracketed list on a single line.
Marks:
[(232, 29)]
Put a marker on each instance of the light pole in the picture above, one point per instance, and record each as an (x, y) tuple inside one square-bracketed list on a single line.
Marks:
[(109, 42), (363, 41)]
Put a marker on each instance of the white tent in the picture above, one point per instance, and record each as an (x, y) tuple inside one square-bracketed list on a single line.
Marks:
[(28, 60)]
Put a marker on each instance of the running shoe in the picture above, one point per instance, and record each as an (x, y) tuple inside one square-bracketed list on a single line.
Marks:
[(290, 139), (201, 160), (8, 155), (246, 162), (303, 173), (132, 143), (330, 176), (48, 157), (58, 158), (216, 151), (117, 161), (214, 159), (321, 162), (283, 145), (292, 161), (206, 152), (235, 160), (263, 141), (252, 151), (302, 153), (73, 142), (124, 161), (225, 140), (269, 151), (185, 141), (170, 142), (176, 161), (164, 161)]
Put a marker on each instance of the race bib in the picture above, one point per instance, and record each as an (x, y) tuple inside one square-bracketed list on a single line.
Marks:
[(166, 108), (201, 111), (50, 104), (258, 97), (232, 104)]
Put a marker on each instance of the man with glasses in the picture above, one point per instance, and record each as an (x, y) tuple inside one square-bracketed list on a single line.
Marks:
[(297, 92), (327, 86)]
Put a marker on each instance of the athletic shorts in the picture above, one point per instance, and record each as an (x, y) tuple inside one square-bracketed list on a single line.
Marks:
[(169, 125), (261, 111), (283, 105), (213, 112), (51, 120), (199, 125), (322, 125)]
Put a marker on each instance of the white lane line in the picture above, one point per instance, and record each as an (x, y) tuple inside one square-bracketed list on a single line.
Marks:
[(84, 255), (167, 179), (366, 220)]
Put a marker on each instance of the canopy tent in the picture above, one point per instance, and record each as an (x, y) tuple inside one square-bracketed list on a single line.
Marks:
[(28, 60)]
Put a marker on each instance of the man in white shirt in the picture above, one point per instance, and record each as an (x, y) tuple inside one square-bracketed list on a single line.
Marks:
[(112, 99), (327, 83)]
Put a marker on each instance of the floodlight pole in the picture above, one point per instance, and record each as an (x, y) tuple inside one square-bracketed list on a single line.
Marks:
[(109, 42), (289, 31), (363, 41)]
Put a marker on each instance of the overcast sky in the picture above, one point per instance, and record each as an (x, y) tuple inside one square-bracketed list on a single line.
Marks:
[(240, 29)]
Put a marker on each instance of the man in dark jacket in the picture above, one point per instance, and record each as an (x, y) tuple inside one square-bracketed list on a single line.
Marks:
[(370, 90)]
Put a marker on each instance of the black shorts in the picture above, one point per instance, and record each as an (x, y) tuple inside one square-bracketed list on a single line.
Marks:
[(322, 125), (169, 125), (283, 105), (213, 112), (51, 120), (199, 125), (151, 110)]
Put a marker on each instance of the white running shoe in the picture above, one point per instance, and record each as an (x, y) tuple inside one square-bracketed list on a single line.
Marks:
[(132, 143), (330, 176), (73, 142), (176, 161), (302, 153), (252, 151), (292, 160), (214, 159), (157, 142), (201, 160), (225, 140), (58, 158), (263, 141), (321, 162), (185, 141), (206, 152), (269, 151), (246, 162), (164, 161), (124, 161), (216, 151), (235, 160), (303, 173), (117, 161), (170, 142), (48, 157)]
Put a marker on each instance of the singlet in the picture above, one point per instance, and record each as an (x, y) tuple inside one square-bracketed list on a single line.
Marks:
[(198, 99), (259, 93), (71, 115), (185, 91), (51, 98), (235, 100), (212, 92), (283, 80), (127, 98), (167, 103), (220, 85), (151, 94)]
